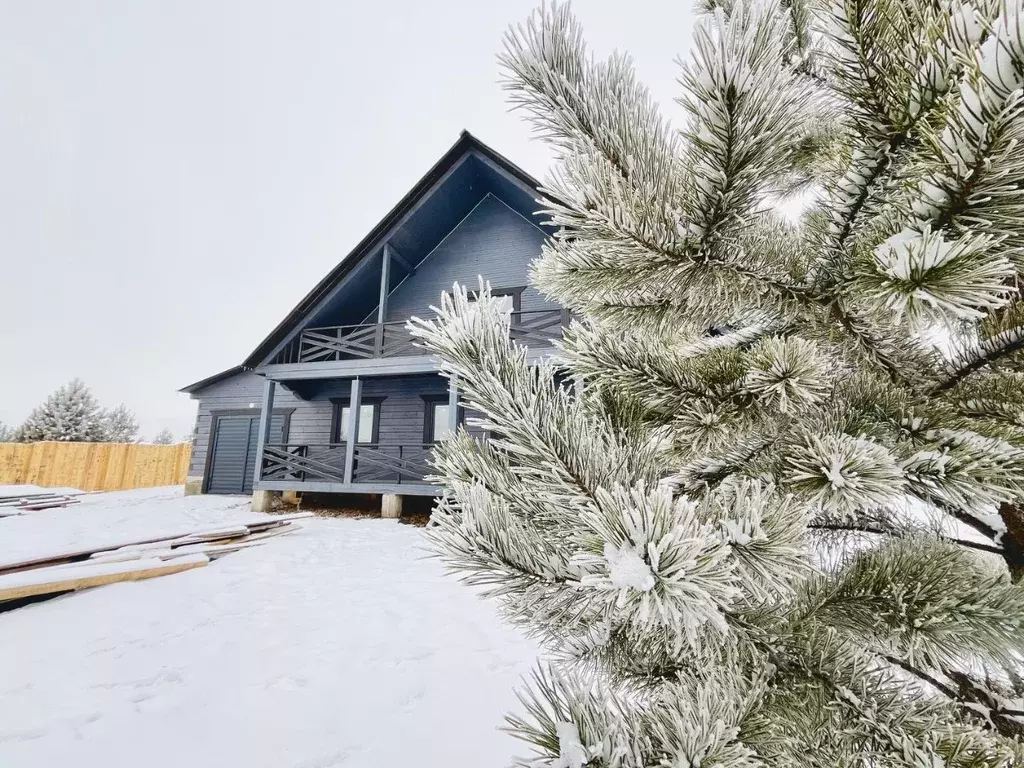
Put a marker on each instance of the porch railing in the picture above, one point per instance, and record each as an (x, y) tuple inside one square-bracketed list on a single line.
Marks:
[(374, 340), (325, 462)]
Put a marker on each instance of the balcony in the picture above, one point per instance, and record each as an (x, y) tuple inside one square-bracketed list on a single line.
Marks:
[(537, 328)]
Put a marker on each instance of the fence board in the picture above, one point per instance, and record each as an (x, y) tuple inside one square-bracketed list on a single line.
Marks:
[(93, 466)]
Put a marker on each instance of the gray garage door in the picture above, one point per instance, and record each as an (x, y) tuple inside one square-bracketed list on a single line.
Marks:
[(234, 451)]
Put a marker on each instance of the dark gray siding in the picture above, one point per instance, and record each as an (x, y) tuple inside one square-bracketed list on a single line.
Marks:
[(236, 393), (404, 409), (401, 412), (493, 241)]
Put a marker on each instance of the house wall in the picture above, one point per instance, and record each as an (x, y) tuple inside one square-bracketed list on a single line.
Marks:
[(239, 392), (401, 416), (493, 241)]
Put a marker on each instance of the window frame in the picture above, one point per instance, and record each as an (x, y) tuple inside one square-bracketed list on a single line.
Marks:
[(430, 402), (516, 293), (337, 403)]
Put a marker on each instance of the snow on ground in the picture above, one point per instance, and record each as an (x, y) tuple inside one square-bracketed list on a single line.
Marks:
[(338, 645), (107, 518)]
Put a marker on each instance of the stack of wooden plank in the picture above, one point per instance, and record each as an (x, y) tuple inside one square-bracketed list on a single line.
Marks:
[(134, 559), (33, 502)]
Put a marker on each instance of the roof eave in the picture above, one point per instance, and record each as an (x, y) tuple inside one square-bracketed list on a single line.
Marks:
[(209, 381)]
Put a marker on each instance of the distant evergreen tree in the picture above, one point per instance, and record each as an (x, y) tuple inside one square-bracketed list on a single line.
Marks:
[(69, 414), (164, 437), (120, 425), (6, 433)]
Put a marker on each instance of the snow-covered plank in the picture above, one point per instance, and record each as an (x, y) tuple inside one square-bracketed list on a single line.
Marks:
[(210, 534), (216, 534), (214, 550), (82, 553), (258, 523), (163, 550), (53, 504), (73, 553), (117, 556), (43, 581), (21, 501)]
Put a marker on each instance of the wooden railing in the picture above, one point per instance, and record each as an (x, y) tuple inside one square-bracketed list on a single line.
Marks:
[(325, 462), (345, 342), (383, 463), (374, 340)]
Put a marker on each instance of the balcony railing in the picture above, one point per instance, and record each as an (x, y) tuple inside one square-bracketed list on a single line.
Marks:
[(325, 462), (538, 328)]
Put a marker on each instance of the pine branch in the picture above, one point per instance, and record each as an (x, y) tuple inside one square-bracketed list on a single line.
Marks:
[(988, 352), (970, 696), (933, 681), (879, 531), (969, 692)]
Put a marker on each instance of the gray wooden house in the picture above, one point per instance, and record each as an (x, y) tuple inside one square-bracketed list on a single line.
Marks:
[(337, 399)]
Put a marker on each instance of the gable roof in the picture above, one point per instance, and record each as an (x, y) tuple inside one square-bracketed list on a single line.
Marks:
[(467, 144)]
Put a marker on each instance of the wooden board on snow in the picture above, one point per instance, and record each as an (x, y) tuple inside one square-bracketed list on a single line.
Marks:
[(27, 498), (216, 549), (163, 549), (260, 523), (41, 505), (44, 581), (82, 553)]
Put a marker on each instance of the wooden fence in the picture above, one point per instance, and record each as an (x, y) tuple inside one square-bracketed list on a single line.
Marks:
[(93, 466)]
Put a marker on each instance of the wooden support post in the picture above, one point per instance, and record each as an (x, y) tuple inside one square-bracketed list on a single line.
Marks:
[(453, 404), (382, 304), (390, 506), (397, 258), (354, 404), (266, 419)]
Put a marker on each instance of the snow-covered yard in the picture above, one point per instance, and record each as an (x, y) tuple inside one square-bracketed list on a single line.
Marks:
[(337, 645)]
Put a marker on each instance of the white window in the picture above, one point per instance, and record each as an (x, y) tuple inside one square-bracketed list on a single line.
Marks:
[(367, 421), (506, 303), (438, 422), (508, 300)]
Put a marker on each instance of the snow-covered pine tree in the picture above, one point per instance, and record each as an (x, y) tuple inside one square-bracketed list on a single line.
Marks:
[(6, 433), (772, 524), (120, 425), (69, 414), (164, 437)]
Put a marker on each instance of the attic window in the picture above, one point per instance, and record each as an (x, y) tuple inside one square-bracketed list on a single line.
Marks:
[(509, 299)]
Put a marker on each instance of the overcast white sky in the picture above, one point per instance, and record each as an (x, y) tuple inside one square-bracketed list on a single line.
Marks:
[(175, 176)]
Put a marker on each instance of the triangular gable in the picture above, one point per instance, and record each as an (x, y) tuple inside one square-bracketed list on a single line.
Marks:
[(433, 207)]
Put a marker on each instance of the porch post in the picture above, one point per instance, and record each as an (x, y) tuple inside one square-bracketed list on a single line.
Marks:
[(354, 403), (453, 404), (382, 304), (266, 419)]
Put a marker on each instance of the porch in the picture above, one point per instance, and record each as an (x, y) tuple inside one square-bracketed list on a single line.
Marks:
[(361, 435)]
